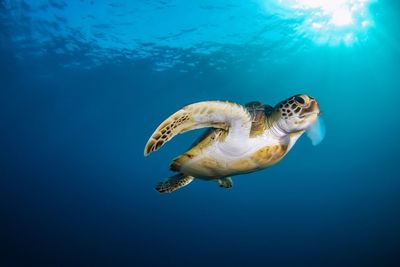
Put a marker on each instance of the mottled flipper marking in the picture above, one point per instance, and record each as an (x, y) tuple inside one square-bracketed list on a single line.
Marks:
[(216, 114), (174, 183), (225, 182)]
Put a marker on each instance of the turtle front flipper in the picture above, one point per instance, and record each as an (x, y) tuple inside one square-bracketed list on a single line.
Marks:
[(174, 183), (225, 182), (215, 114)]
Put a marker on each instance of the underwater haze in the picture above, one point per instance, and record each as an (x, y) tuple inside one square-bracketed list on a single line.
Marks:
[(83, 85)]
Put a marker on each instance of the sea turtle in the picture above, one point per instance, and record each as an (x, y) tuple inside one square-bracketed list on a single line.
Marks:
[(241, 139)]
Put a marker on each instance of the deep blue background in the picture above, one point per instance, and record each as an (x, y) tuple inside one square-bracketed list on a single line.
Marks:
[(75, 189)]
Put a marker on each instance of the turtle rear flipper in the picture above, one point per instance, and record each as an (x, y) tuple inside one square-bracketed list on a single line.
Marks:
[(174, 183), (225, 182)]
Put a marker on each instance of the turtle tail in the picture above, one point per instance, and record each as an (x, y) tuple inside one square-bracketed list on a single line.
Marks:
[(174, 183)]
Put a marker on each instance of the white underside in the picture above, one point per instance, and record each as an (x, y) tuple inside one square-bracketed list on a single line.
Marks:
[(234, 147)]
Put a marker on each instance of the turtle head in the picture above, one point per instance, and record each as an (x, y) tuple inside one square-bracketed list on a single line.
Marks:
[(297, 113)]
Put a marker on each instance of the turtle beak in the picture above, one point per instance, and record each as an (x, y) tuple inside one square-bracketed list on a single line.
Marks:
[(313, 108)]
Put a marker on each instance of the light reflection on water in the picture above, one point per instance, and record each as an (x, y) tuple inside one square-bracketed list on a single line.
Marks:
[(88, 34), (328, 22)]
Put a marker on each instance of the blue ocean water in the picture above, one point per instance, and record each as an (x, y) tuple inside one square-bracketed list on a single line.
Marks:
[(83, 84)]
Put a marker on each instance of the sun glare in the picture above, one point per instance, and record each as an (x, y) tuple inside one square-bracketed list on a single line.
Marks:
[(342, 17), (330, 21)]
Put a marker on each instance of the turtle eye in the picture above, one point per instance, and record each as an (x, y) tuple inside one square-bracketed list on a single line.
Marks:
[(299, 100)]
